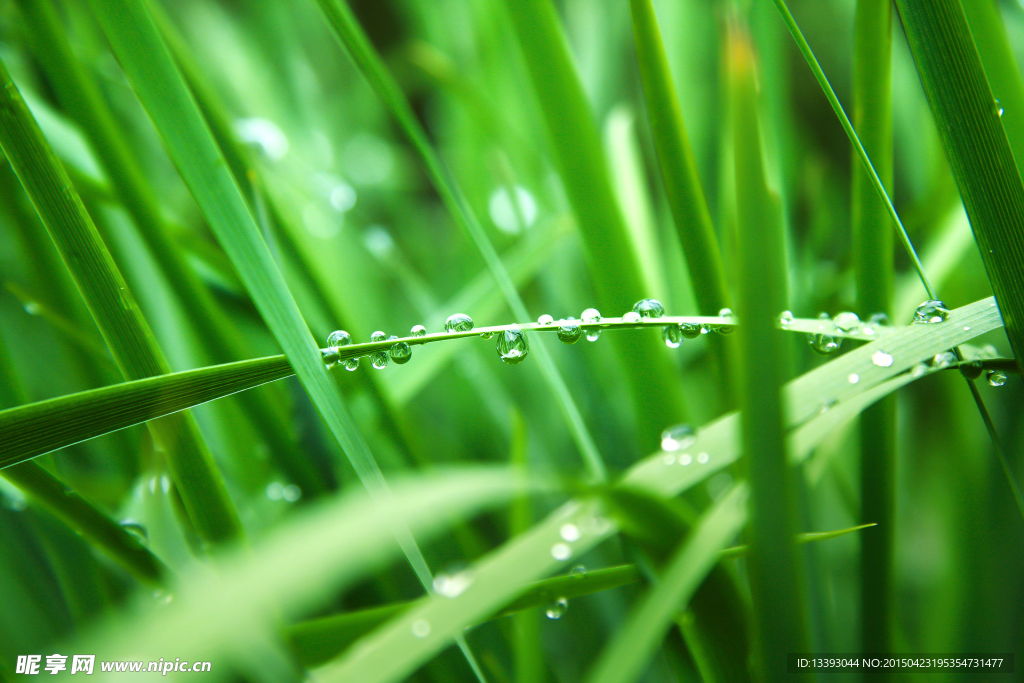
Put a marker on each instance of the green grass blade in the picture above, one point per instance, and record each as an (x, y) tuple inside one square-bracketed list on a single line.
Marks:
[(359, 48), (775, 576), (111, 303), (581, 163), (678, 167), (36, 428), (873, 269), (624, 659), (976, 143)]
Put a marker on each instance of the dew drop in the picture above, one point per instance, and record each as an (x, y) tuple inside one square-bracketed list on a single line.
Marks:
[(996, 378), (853, 378), (545, 319), (421, 628), (786, 318), (570, 533), (590, 315), (512, 346), (677, 438), (339, 338), (673, 336), (557, 608), (569, 332), (458, 322), (418, 331), (561, 551), (400, 353), (882, 359), (649, 308), (593, 335), (931, 311), (140, 533), (847, 321), (631, 317), (824, 343), (691, 330)]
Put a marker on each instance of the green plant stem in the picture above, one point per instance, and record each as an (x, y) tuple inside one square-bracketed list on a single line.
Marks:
[(775, 576), (873, 267), (976, 144), (114, 309)]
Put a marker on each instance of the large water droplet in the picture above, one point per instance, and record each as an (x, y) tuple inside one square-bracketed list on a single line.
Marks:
[(678, 438), (996, 378), (691, 330), (847, 321), (545, 319), (569, 332), (882, 359), (512, 346), (140, 533), (649, 308), (631, 317), (557, 608), (417, 331), (400, 353), (824, 343), (590, 315), (458, 322), (421, 628), (673, 336), (931, 311)]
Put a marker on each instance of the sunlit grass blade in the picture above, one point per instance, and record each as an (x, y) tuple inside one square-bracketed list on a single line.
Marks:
[(624, 659), (36, 428), (873, 270), (388, 654), (979, 152), (352, 36), (113, 307)]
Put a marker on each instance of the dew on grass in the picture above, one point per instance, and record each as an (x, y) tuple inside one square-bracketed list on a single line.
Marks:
[(569, 332), (590, 315), (545, 319), (631, 317), (557, 608), (691, 330), (673, 336), (136, 529), (677, 438), (418, 331), (996, 378), (649, 308), (458, 322), (824, 343), (847, 321), (512, 346), (882, 359), (400, 353), (569, 532), (931, 311), (421, 628), (561, 551)]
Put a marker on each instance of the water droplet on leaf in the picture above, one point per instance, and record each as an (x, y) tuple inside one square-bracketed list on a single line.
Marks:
[(678, 438), (458, 322), (649, 308), (512, 346), (931, 311)]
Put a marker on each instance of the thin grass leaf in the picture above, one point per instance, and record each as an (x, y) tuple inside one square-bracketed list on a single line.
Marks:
[(976, 143), (351, 35), (624, 659), (113, 307), (388, 655)]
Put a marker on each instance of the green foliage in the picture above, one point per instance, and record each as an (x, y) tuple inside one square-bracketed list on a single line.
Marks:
[(200, 193)]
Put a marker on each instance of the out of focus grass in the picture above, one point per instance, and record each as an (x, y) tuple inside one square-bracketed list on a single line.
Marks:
[(253, 192)]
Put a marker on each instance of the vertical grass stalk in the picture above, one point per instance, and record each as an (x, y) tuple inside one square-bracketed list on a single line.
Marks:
[(775, 576)]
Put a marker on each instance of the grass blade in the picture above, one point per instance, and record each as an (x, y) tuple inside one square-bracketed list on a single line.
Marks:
[(113, 307), (979, 152)]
